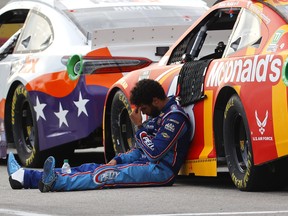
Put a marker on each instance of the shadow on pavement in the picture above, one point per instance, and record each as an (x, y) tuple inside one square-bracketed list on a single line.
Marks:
[(223, 180)]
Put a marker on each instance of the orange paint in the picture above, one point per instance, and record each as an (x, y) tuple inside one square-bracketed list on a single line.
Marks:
[(2, 108), (100, 52), (106, 80), (55, 84)]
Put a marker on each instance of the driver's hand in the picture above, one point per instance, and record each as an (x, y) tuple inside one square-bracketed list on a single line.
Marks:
[(112, 162), (136, 116)]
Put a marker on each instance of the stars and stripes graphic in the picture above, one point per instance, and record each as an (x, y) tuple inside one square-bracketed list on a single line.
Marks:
[(72, 117), (62, 113)]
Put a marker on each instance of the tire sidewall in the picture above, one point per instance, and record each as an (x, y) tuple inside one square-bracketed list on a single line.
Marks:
[(119, 105), (242, 180), (28, 158)]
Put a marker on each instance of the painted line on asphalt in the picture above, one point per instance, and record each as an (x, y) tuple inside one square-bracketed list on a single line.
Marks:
[(21, 213), (219, 213)]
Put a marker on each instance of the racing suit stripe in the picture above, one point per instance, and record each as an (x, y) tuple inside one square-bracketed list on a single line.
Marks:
[(122, 175), (140, 175), (175, 154)]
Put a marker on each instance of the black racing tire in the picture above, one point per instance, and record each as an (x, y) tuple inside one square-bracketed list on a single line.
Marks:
[(24, 128), (239, 155), (122, 129), (238, 149)]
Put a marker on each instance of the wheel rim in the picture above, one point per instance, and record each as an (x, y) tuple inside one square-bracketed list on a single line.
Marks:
[(126, 130), (27, 127), (241, 144)]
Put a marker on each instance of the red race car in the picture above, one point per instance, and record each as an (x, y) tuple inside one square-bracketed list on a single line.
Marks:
[(235, 91)]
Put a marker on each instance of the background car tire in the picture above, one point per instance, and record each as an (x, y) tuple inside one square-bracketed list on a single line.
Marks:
[(122, 129), (24, 127)]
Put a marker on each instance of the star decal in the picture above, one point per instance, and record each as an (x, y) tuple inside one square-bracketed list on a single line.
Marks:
[(39, 109), (81, 105), (62, 116)]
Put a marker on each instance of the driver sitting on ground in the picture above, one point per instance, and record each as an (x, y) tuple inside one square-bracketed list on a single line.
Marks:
[(161, 147)]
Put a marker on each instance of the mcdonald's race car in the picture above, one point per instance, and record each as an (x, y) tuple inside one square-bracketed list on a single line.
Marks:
[(234, 90), (58, 59)]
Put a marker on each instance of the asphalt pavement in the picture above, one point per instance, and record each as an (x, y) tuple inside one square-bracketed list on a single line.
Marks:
[(194, 196)]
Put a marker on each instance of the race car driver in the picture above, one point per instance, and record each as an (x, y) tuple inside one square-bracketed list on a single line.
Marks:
[(161, 146)]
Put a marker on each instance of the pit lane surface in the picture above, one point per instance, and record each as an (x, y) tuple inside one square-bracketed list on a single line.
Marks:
[(195, 196)]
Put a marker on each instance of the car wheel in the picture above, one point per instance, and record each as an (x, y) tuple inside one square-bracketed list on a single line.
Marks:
[(122, 129), (239, 155), (25, 128), (238, 147)]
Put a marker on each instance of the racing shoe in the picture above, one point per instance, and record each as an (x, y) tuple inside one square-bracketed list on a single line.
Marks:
[(12, 164), (49, 175), (15, 172)]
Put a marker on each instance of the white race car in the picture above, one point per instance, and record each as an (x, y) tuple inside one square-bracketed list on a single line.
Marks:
[(59, 57)]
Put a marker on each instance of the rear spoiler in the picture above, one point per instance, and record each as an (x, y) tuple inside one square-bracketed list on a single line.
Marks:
[(149, 42)]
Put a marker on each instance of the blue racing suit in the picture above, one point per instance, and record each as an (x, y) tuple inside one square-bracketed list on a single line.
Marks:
[(162, 145)]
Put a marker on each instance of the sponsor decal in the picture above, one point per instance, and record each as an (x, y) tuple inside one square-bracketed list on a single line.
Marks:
[(124, 84), (105, 175), (257, 10), (274, 44), (149, 127), (262, 122), (16, 66), (24, 65), (18, 92), (125, 102), (257, 69), (228, 106), (228, 4), (146, 140), (169, 127), (165, 135), (174, 107), (277, 36), (29, 160), (272, 48), (144, 75), (173, 120), (239, 181)]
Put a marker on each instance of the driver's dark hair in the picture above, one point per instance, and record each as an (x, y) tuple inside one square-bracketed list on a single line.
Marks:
[(145, 90)]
